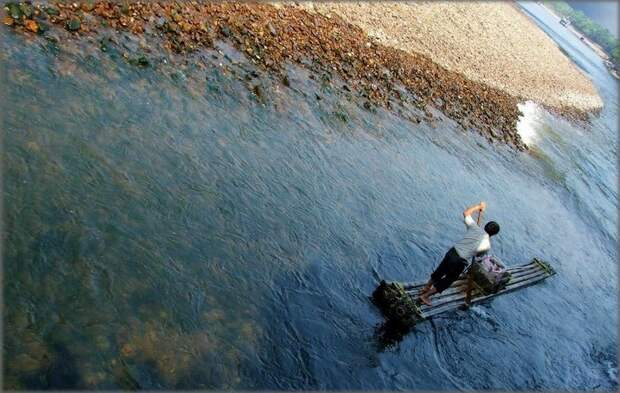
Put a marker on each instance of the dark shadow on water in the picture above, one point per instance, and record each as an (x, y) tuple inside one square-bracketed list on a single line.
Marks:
[(389, 334), (61, 374)]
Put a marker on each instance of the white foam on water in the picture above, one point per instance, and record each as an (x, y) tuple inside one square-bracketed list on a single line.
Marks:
[(612, 372), (479, 311), (530, 122)]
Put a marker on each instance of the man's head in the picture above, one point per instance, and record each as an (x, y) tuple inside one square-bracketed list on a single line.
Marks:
[(492, 228)]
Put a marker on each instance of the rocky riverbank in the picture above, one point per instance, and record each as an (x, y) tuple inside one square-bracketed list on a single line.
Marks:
[(271, 36)]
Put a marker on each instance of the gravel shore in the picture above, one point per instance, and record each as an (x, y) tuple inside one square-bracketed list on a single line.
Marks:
[(489, 42)]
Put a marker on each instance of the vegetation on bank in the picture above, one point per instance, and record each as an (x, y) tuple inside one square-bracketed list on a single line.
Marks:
[(589, 28)]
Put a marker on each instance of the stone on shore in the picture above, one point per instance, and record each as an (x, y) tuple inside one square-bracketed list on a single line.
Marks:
[(31, 25), (14, 11), (73, 24), (51, 11)]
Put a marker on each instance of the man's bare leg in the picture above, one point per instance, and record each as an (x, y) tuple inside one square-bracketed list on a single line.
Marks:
[(468, 290), (426, 287), (424, 297)]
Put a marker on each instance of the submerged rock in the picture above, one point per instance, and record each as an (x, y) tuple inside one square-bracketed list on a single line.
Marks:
[(73, 24), (341, 116), (27, 10), (43, 27), (26, 364), (140, 61), (258, 92), (14, 11), (51, 11)]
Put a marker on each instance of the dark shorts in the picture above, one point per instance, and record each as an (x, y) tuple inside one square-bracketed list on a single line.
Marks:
[(448, 270)]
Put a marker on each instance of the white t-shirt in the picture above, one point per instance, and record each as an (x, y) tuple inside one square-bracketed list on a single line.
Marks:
[(474, 242)]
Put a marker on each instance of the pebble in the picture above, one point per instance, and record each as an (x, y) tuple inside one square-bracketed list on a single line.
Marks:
[(32, 26), (73, 24)]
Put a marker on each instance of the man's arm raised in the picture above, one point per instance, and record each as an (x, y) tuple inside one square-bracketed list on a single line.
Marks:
[(479, 207)]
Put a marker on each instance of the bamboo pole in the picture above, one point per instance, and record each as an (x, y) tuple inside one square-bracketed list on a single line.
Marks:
[(457, 297), (440, 310), (515, 272)]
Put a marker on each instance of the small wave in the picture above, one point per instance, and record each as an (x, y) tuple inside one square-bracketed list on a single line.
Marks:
[(612, 371), (479, 311), (529, 123)]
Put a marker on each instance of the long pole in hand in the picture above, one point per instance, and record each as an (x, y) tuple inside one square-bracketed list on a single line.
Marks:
[(469, 277)]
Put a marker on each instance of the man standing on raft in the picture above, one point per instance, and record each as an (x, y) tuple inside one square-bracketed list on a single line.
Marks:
[(476, 241)]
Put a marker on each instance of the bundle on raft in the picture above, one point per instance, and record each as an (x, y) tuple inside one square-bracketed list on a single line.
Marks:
[(399, 301)]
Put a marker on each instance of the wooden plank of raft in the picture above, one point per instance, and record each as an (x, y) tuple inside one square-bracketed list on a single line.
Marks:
[(509, 288), (458, 293), (454, 306), (460, 296), (461, 286), (413, 286), (461, 283)]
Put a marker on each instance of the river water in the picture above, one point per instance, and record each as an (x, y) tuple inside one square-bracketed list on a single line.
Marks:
[(167, 229)]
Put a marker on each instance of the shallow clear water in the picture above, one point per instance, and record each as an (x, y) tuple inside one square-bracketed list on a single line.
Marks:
[(168, 230)]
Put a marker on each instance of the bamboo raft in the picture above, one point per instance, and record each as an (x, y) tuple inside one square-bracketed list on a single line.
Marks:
[(399, 301)]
